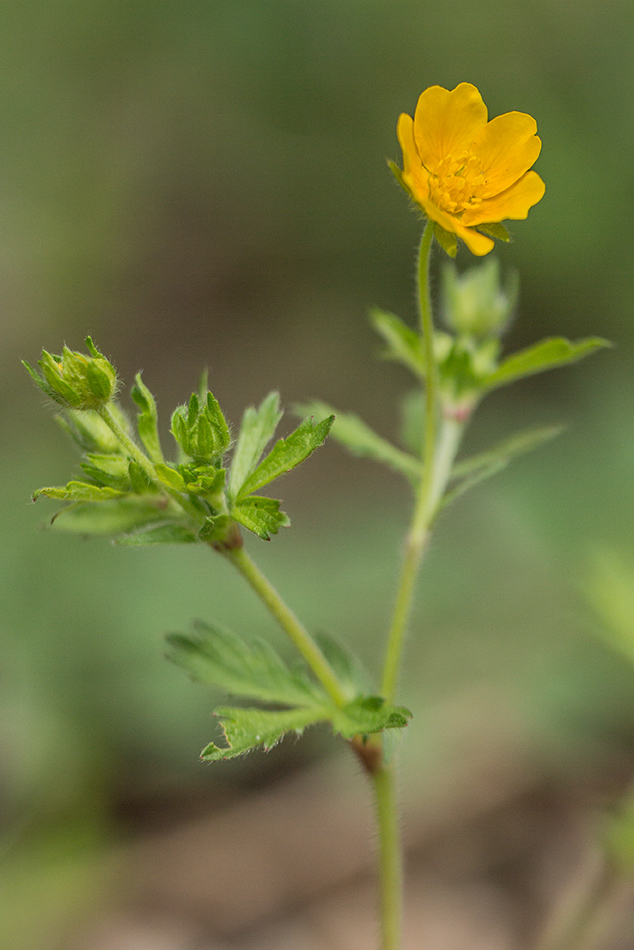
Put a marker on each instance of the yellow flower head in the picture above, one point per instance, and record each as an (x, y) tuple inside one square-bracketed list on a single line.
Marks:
[(464, 171)]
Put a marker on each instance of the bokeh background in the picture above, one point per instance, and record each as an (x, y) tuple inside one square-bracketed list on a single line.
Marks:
[(204, 183)]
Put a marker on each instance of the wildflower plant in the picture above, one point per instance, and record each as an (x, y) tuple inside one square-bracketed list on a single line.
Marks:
[(466, 175)]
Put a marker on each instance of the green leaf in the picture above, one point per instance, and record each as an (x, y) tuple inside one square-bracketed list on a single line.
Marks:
[(447, 240), (214, 528), (158, 534), (366, 715), (257, 429), (361, 440), (287, 453), (170, 477), (347, 667), (472, 471), (495, 230), (78, 491), (548, 354), (219, 658), (113, 517), (260, 515), (108, 470), (402, 343), (147, 419), (248, 729)]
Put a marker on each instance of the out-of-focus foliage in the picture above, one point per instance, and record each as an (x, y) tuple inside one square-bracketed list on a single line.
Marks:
[(202, 182)]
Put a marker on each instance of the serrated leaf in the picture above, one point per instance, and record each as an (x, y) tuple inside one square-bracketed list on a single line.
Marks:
[(260, 515), (367, 715), (361, 440), (472, 471), (248, 729), (113, 517), (78, 491), (255, 671), (402, 343), (547, 354), (287, 453), (257, 429), (167, 533), (446, 239), (147, 419), (495, 229)]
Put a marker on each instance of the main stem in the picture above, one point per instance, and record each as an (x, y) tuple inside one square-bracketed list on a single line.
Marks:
[(438, 452)]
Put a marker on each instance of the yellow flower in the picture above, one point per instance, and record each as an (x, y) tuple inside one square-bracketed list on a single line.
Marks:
[(466, 172)]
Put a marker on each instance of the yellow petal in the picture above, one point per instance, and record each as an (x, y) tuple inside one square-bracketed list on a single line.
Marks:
[(446, 123), (477, 243), (507, 147), (414, 175), (513, 203)]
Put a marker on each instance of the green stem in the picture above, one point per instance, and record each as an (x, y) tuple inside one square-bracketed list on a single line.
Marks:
[(390, 861), (439, 452), (143, 462), (289, 623)]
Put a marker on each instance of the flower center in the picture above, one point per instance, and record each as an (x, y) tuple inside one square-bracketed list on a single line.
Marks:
[(455, 184)]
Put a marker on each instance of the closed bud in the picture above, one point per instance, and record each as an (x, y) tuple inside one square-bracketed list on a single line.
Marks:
[(475, 302), (76, 380), (200, 429)]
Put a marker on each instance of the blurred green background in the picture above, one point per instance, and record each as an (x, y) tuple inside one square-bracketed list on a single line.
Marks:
[(204, 183)]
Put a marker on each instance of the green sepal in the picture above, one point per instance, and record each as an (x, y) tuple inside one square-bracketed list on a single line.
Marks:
[(402, 343), (147, 419), (495, 229), (78, 491), (109, 517), (158, 534), (287, 453), (200, 428), (361, 440), (170, 477), (470, 472), (260, 515), (398, 175), (257, 429), (140, 482), (547, 354), (255, 671), (447, 240)]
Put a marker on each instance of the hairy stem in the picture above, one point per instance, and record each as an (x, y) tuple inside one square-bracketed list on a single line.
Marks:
[(390, 860), (289, 623)]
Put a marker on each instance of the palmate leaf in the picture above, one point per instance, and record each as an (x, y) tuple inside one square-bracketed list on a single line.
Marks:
[(260, 515), (470, 472), (248, 729), (255, 671), (361, 440), (257, 429), (547, 354), (287, 453)]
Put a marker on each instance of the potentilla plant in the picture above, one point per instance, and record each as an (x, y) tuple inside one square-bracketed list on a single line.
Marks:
[(466, 176)]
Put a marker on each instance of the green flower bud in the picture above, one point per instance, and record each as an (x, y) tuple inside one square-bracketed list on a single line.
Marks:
[(475, 303), (74, 380), (201, 430)]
